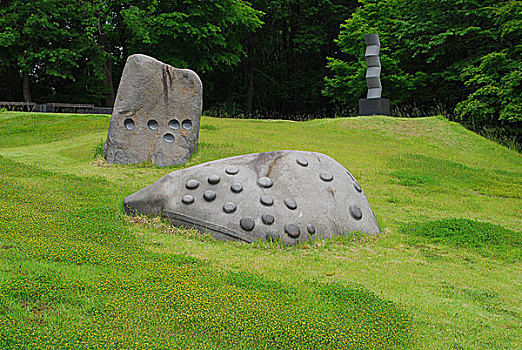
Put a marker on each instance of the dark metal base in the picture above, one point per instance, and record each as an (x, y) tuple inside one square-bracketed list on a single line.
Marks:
[(374, 106)]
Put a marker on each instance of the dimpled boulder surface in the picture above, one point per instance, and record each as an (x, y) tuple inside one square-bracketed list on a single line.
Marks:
[(291, 196), (156, 114)]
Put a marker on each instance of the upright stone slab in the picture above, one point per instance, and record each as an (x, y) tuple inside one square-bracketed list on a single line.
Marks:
[(156, 114), (291, 196)]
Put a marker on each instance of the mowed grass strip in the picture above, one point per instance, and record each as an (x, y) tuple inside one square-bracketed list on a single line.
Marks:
[(485, 238)]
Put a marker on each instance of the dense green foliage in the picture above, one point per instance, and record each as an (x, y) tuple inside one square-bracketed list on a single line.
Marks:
[(282, 76), (74, 51), (458, 56)]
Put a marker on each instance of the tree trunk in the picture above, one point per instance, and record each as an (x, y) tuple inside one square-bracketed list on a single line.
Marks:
[(26, 87), (107, 72), (9, 91), (250, 81)]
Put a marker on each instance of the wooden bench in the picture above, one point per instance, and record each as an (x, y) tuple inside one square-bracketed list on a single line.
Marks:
[(18, 106)]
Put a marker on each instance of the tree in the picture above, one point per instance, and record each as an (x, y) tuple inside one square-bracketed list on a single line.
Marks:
[(44, 39), (425, 46), (78, 44), (496, 78), (283, 73)]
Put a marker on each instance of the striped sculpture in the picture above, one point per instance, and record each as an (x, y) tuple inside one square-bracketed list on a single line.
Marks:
[(373, 104)]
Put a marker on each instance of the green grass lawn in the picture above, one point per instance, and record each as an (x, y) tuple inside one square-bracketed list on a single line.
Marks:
[(445, 273)]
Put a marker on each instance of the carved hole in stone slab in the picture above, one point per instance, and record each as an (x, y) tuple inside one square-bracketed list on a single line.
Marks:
[(187, 124), (237, 187), (213, 179), (265, 182), (326, 177), (267, 200), (129, 124), (229, 207), (209, 195), (192, 184), (174, 124), (152, 124), (267, 219), (232, 170), (168, 138), (187, 199), (302, 161), (247, 223), (292, 230), (290, 203), (356, 212)]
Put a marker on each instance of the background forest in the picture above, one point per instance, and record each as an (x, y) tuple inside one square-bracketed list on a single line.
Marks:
[(296, 59)]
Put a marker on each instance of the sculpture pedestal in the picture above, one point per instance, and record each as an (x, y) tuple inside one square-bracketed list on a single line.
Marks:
[(374, 106)]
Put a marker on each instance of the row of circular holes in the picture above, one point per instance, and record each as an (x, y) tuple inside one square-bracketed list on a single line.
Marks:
[(153, 125)]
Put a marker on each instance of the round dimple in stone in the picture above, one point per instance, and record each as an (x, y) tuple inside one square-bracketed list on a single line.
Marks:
[(265, 182), (356, 212), (268, 219), (229, 207), (292, 230), (247, 223), (272, 235), (214, 179), (129, 124), (357, 186), (152, 124), (327, 177), (311, 229), (187, 124), (290, 203), (174, 124), (192, 184), (187, 199), (237, 187), (232, 170), (168, 138), (209, 195), (302, 162), (267, 200)]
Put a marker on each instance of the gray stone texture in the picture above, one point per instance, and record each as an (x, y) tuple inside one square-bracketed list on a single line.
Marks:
[(156, 114), (373, 73), (291, 196)]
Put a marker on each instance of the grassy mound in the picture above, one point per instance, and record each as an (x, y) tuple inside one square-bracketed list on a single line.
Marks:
[(75, 272)]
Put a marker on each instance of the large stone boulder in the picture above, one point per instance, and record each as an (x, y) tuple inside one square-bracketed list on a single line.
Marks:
[(156, 114), (288, 195)]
